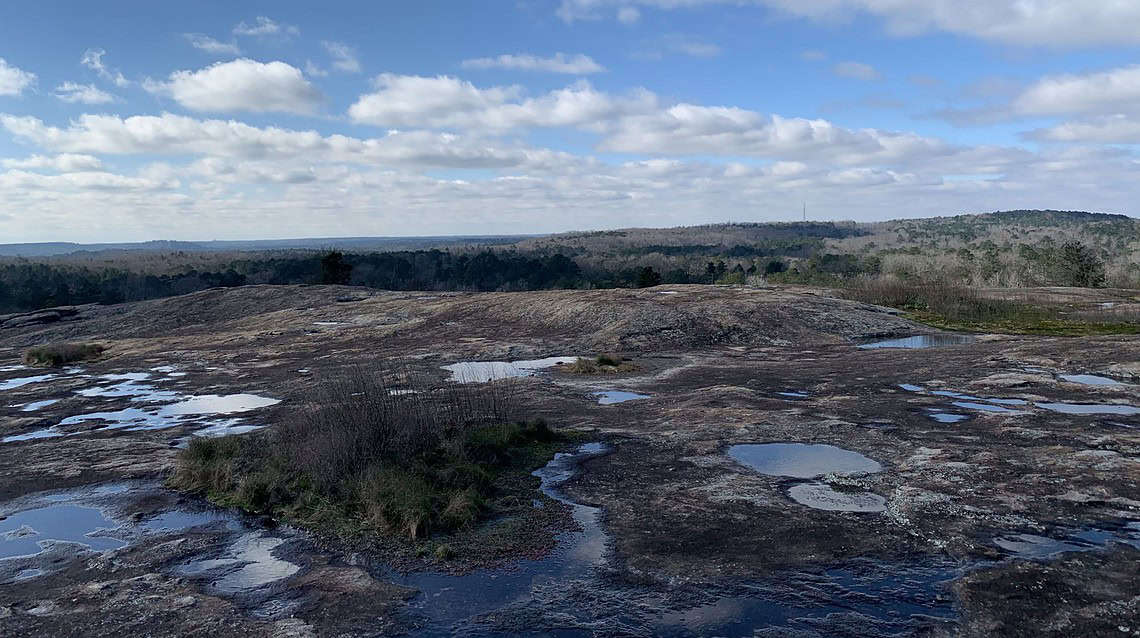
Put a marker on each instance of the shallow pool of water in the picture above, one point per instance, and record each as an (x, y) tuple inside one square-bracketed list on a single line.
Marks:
[(609, 397), (1032, 546), (920, 341), (822, 496), (1088, 379), (19, 382), (802, 460), (984, 407), (25, 533), (1091, 408), (483, 371), (38, 405), (246, 565), (948, 417)]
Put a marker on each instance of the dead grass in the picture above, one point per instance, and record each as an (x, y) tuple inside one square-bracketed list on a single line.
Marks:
[(59, 354)]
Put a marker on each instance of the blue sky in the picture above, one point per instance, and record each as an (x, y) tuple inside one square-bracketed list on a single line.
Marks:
[(132, 120)]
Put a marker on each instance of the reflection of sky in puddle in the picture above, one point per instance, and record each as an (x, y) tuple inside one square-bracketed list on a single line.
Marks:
[(483, 371), (920, 341), (802, 460), (177, 408), (984, 407), (1032, 546), (248, 564), (20, 382), (821, 496), (1091, 408), (447, 599), (947, 417), (38, 405), (21, 534), (1089, 379), (610, 397), (794, 395)]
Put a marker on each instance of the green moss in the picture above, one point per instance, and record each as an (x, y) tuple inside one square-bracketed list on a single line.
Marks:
[(1028, 325)]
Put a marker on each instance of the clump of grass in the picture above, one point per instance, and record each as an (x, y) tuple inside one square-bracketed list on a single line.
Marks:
[(603, 363), (954, 307), (356, 457), (59, 354)]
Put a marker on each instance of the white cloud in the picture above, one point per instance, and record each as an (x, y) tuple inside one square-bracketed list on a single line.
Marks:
[(446, 102), (343, 56), (312, 70), (14, 80), (628, 15), (175, 135), (1105, 92), (676, 44), (560, 63), (856, 71), (241, 85), (63, 163), (93, 59), (205, 43), (73, 92), (1021, 22), (263, 26), (1108, 129)]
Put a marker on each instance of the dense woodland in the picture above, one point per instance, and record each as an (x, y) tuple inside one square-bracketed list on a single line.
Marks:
[(1014, 248)]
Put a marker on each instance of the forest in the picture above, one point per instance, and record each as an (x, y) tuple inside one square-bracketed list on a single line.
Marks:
[(1006, 249)]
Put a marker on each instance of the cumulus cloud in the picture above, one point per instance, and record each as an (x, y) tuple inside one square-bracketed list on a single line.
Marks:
[(628, 15), (14, 80), (448, 102), (1021, 22), (241, 85), (343, 57), (73, 92), (1111, 91), (559, 63), (856, 71), (93, 59), (175, 135), (265, 27), (205, 43), (63, 163), (1107, 129)]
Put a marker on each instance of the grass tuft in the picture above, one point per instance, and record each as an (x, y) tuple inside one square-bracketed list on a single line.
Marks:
[(59, 354)]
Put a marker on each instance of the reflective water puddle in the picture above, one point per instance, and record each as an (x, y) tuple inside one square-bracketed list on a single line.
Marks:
[(1034, 547), (947, 417), (1088, 379), (174, 408), (822, 496), (30, 532), (38, 405), (247, 564), (20, 382), (802, 460), (920, 341), (483, 371), (609, 397), (1091, 408)]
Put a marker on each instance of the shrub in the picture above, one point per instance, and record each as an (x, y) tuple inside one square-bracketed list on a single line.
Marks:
[(61, 354), (355, 454)]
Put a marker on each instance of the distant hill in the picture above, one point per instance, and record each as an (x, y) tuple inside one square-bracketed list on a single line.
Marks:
[(49, 249)]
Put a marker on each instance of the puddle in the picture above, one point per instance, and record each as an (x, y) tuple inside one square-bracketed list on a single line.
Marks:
[(13, 368), (802, 460), (948, 417), (174, 409), (20, 382), (28, 533), (248, 564), (1088, 379), (984, 407), (446, 599), (920, 341), (484, 371), (327, 323), (611, 397), (794, 395), (910, 387), (821, 496), (38, 405), (1091, 408), (1034, 547), (166, 416)]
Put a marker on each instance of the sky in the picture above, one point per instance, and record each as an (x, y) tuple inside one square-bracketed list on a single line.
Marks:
[(129, 121)]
